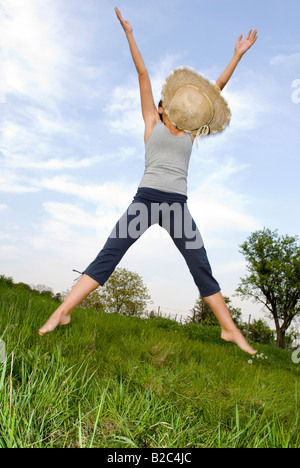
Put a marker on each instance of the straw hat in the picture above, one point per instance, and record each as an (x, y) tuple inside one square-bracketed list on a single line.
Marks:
[(193, 103)]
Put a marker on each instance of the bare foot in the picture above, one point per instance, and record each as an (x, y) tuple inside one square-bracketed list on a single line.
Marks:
[(235, 336), (62, 316), (58, 318)]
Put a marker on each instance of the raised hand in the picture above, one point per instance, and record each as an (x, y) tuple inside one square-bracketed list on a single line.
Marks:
[(242, 47), (124, 23)]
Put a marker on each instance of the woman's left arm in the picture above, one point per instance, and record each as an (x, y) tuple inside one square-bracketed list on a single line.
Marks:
[(149, 111), (239, 50)]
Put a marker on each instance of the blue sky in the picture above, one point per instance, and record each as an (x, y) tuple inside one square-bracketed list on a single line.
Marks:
[(72, 151)]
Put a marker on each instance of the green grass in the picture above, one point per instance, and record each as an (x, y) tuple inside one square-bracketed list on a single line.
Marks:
[(113, 381)]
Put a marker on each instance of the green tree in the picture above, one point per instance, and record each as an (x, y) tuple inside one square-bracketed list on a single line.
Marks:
[(273, 263), (124, 293), (6, 281), (43, 290), (94, 300), (58, 297), (259, 332), (23, 286)]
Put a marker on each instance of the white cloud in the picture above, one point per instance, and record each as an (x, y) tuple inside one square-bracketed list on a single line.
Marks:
[(247, 106), (3, 208), (217, 213), (124, 110), (12, 183), (21, 161), (72, 219), (55, 234), (42, 46), (231, 267), (70, 214), (38, 53), (111, 194), (42, 68), (33, 59), (215, 204), (284, 59), (7, 251)]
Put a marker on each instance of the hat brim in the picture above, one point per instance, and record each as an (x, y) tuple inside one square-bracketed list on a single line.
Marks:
[(187, 76)]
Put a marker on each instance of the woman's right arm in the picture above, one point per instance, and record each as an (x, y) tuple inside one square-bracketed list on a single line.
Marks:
[(149, 110), (240, 49)]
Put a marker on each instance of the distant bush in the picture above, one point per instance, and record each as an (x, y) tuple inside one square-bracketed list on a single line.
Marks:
[(23, 286), (41, 290), (259, 332), (6, 281)]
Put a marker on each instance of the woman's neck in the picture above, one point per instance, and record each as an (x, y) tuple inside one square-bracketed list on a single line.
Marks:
[(172, 128)]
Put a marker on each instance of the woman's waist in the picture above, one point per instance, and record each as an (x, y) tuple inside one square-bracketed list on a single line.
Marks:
[(159, 196)]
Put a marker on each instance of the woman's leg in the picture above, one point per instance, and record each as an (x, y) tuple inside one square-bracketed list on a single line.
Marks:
[(120, 240), (229, 330), (62, 316), (197, 261)]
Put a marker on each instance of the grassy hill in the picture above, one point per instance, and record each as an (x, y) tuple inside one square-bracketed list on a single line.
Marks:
[(113, 381)]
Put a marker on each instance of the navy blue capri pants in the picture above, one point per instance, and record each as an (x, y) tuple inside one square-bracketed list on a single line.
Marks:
[(170, 211)]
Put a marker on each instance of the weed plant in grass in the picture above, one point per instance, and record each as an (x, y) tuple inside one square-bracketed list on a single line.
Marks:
[(113, 381)]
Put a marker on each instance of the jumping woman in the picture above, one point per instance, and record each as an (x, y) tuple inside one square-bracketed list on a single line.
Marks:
[(191, 107)]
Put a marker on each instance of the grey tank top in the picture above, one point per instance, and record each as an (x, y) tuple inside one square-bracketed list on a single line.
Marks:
[(167, 160)]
